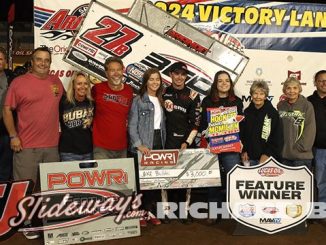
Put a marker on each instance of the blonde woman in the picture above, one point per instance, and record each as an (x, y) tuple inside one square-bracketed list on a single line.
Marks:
[(76, 115)]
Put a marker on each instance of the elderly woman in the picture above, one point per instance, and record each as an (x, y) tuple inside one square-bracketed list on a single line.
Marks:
[(76, 115), (262, 134), (299, 128)]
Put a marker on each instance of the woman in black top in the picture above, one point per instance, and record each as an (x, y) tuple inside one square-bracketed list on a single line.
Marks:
[(76, 115), (221, 95), (262, 134)]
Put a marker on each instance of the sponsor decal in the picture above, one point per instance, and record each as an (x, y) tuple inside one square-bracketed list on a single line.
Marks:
[(270, 210), (270, 171), (157, 158), (66, 203), (112, 36), (186, 41), (105, 177), (293, 210), (60, 24), (134, 73), (79, 55), (248, 98), (296, 75), (247, 210), (270, 220), (168, 104)]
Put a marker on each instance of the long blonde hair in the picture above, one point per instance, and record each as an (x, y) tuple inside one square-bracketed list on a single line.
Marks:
[(71, 91)]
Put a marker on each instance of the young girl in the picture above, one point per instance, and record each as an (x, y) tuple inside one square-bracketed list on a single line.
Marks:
[(221, 95), (146, 128)]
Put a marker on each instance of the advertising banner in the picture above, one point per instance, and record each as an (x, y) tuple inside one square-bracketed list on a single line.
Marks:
[(173, 169), (270, 197), (96, 201), (281, 39), (223, 129)]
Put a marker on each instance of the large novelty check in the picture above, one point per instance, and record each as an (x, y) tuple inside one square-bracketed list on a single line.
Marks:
[(172, 169)]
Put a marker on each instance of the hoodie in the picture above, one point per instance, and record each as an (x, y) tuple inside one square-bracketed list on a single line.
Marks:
[(262, 132), (299, 128), (319, 105)]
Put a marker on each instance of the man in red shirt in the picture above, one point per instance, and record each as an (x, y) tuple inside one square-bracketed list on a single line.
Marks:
[(35, 96), (112, 104)]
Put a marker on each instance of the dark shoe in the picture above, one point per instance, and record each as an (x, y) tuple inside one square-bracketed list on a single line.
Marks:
[(322, 222), (166, 220), (30, 235), (186, 221), (211, 221)]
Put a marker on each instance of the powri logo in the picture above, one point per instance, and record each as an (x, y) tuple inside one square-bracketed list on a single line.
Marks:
[(160, 158)]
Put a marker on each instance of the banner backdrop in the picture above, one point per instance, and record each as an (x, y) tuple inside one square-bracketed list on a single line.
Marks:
[(281, 39)]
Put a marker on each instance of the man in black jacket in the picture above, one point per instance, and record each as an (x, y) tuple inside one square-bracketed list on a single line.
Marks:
[(318, 100), (182, 107), (6, 77)]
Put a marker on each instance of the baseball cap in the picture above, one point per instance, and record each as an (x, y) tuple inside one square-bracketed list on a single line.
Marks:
[(179, 66)]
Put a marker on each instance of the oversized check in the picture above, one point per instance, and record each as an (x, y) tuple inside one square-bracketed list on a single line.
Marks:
[(173, 169)]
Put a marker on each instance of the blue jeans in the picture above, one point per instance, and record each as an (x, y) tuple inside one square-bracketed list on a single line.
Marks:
[(298, 163), (65, 156), (5, 158), (227, 161), (254, 162), (320, 173)]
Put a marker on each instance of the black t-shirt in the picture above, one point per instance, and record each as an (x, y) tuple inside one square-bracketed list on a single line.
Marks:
[(75, 121)]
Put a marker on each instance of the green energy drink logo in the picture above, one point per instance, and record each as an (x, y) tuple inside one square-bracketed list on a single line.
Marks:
[(266, 128), (298, 118)]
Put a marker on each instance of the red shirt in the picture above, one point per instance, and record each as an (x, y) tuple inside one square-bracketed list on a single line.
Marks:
[(111, 116), (37, 104)]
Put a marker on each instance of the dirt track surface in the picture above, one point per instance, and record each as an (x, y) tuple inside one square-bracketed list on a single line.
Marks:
[(200, 233)]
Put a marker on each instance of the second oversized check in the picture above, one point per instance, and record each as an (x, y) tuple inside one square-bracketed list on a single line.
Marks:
[(172, 169)]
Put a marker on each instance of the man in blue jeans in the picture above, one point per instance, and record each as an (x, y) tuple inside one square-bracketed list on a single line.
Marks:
[(318, 100)]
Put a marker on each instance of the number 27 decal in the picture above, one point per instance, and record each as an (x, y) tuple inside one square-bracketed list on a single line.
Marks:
[(112, 36)]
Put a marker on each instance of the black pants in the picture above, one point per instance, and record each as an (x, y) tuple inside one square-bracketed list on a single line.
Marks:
[(150, 197)]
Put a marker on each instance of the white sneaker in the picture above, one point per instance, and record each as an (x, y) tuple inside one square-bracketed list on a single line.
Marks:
[(30, 235)]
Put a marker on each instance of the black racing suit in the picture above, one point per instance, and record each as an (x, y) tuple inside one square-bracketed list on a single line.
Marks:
[(182, 108), (182, 116)]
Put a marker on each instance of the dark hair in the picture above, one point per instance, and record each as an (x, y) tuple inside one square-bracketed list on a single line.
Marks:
[(146, 77), (319, 73), (112, 59), (4, 52), (19, 70), (214, 92), (43, 48)]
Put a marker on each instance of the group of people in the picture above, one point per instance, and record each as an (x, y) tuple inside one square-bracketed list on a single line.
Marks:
[(105, 121)]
